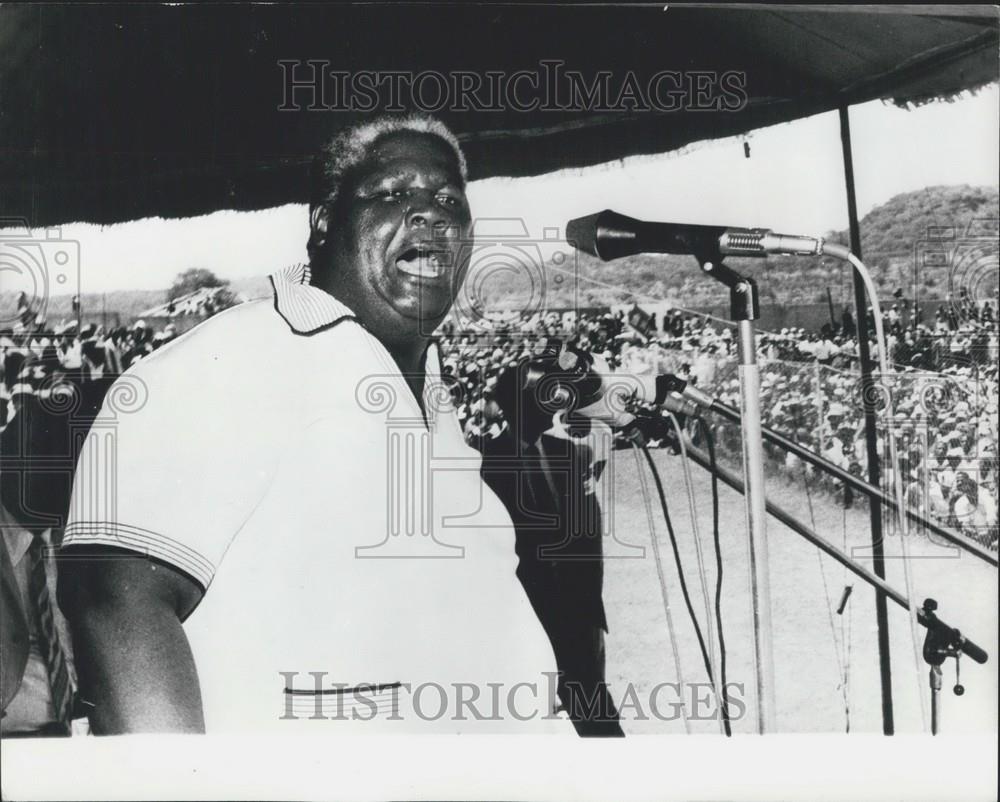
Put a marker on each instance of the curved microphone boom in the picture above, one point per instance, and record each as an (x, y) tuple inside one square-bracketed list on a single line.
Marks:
[(610, 235)]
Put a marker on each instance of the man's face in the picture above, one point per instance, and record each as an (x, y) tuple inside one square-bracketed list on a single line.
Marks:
[(398, 236)]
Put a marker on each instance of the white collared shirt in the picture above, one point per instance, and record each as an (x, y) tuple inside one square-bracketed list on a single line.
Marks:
[(280, 459)]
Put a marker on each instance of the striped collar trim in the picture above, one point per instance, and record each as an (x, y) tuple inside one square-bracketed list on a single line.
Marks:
[(305, 308)]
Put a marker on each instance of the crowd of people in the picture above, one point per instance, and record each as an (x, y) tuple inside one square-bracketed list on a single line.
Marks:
[(37, 359), (943, 395), (940, 406)]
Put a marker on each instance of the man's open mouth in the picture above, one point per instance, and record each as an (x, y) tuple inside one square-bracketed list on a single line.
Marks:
[(423, 261)]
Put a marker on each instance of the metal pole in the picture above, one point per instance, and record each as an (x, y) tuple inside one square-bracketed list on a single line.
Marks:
[(744, 306), (871, 435), (820, 439), (756, 515), (935, 698)]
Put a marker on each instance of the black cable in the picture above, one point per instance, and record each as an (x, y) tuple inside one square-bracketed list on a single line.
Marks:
[(677, 560), (710, 442)]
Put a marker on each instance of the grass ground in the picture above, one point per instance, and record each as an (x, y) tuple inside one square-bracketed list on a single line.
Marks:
[(826, 665)]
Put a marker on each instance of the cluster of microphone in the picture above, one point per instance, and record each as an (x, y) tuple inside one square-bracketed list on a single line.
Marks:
[(576, 383)]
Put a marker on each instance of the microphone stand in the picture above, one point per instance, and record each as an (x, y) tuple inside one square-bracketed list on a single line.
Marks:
[(744, 310), (941, 643)]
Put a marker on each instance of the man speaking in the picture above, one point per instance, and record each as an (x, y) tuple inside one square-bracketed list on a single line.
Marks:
[(244, 556)]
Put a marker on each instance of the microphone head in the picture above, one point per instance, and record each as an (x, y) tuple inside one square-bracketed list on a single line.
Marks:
[(580, 233), (606, 235)]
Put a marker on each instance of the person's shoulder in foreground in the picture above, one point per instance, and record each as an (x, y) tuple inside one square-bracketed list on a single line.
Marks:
[(188, 438), (233, 335), (177, 455)]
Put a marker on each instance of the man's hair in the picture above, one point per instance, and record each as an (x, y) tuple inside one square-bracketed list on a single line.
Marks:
[(353, 145)]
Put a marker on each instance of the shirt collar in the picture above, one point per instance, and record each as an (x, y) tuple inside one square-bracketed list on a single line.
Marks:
[(308, 310), (305, 308)]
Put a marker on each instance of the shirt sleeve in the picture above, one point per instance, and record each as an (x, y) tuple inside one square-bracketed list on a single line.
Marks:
[(174, 464)]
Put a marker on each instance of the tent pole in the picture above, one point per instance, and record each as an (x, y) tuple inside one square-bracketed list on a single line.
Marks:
[(871, 435)]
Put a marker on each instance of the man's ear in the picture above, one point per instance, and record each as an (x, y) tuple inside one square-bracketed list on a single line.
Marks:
[(319, 220)]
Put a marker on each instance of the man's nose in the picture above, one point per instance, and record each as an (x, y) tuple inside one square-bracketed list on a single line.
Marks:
[(425, 212)]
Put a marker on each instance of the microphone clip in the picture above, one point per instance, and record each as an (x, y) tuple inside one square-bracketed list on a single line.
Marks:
[(744, 297), (667, 383)]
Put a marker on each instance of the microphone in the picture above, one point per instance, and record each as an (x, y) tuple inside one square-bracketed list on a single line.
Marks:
[(609, 235), (675, 385), (619, 391), (579, 382)]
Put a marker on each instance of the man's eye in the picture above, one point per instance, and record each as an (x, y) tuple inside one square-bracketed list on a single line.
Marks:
[(448, 199), (391, 194)]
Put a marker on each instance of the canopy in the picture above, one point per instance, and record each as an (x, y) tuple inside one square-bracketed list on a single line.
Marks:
[(112, 113)]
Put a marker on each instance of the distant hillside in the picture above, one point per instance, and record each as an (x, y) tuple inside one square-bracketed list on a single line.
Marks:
[(894, 228), (894, 236)]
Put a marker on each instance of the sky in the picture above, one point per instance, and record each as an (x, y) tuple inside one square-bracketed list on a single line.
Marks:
[(793, 182)]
